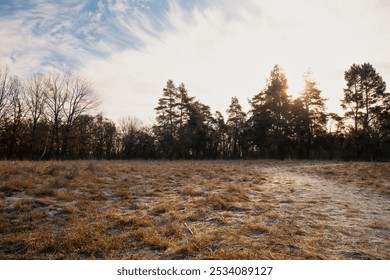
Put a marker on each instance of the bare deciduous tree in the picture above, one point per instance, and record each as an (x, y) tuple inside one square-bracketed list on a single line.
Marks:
[(35, 105), (5, 85), (79, 98), (16, 113), (67, 96), (11, 110), (55, 100)]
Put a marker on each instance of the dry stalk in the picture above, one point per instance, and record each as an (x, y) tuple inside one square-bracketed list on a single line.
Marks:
[(188, 228)]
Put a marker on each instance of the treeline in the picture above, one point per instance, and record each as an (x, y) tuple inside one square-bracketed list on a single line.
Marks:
[(50, 117)]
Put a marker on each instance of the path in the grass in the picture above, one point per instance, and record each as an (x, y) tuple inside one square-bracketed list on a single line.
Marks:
[(354, 219)]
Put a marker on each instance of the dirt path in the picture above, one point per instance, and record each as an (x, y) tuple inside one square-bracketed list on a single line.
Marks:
[(354, 221)]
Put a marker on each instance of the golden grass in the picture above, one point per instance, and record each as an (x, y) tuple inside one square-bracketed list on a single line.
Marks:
[(363, 174), (175, 210)]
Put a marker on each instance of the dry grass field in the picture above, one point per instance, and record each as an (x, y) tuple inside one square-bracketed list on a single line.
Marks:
[(194, 210)]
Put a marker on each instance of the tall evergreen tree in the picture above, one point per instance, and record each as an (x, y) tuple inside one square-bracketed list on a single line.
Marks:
[(364, 100), (364, 94), (167, 120), (236, 126), (198, 128), (314, 110), (270, 114), (260, 124), (300, 129), (184, 103), (221, 131)]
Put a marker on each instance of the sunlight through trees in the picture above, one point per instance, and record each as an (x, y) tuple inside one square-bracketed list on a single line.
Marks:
[(52, 117)]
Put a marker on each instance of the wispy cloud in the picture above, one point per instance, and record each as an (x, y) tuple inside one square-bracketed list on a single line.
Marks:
[(40, 36), (219, 49), (60, 34), (225, 49)]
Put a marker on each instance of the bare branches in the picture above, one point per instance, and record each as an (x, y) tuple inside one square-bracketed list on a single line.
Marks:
[(5, 91), (35, 98), (80, 98)]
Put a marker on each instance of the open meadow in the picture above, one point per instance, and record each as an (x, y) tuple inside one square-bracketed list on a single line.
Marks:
[(194, 210)]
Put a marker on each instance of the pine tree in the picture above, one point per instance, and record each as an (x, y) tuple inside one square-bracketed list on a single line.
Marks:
[(363, 96), (364, 100), (236, 126), (270, 115), (167, 120), (314, 110)]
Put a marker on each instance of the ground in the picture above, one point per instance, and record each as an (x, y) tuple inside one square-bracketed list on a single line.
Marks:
[(194, 210)]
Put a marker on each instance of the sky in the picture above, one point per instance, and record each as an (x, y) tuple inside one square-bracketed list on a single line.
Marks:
[(128, 49)]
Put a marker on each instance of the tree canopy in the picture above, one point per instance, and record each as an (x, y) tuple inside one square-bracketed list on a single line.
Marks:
[(53, 116)]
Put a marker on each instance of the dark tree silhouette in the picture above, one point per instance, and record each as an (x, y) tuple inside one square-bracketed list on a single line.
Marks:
[(167, 120), (364, 100), (270, 115), (49, 116), (35, 107), (314, 115), (236, 124)]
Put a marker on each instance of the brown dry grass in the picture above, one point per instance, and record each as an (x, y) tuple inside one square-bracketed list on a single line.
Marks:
[(182, 210), (366, 175)]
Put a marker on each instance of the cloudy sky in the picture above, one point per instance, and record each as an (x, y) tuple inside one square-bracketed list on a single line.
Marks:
[(217, 48)]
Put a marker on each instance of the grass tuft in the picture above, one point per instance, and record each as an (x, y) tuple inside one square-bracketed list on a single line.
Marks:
[(190, 210)]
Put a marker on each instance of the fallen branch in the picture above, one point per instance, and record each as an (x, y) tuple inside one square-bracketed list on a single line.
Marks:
[(192, 233)]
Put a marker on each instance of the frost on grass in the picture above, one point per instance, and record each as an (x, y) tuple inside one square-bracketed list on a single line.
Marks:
[(194, 210)]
